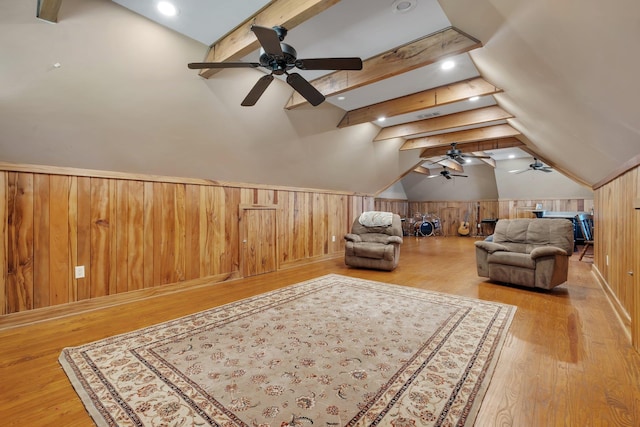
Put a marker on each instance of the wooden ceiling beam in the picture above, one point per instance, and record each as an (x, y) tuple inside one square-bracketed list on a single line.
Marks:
[(48, 10), (410, 56), (478, 134), (242, 41), (422, 170), (474, 146), (450, 121), (435, 97)]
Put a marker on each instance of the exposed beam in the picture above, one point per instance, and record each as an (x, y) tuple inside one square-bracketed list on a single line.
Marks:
[(465, 147), (442, 95), (451, 164), (450, 121), (478, 134), (419, 53), (48, 10), (242, 41), (422, 170)]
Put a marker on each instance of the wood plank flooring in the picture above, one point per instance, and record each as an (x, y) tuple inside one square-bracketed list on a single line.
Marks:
[(567, 360)]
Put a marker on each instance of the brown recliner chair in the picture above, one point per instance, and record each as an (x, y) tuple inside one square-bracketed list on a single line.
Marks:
[(527, 252), (373, 245)]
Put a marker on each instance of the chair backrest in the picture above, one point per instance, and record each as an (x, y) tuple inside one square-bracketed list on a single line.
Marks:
[(525, 234), (395, 229), (586, 225)]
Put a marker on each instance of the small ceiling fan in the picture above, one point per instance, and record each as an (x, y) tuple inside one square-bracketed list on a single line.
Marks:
[(455, 154), (279, 58), (447, 174), (537, 165)]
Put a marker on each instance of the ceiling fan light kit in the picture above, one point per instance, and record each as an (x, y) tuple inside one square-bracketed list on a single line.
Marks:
[(279, 58)]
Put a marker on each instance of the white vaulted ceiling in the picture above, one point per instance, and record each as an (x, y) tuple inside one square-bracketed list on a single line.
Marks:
[(122, 98)]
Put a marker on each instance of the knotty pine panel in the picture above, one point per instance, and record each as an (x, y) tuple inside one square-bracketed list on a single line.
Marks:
[(19, 282), (3, 242), (131, 234), (617, 245), (41, 242)]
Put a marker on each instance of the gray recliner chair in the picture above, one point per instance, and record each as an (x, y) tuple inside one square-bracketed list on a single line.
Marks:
[(374, 246), (527, 252)]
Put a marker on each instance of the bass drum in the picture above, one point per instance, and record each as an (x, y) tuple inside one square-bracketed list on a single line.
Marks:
[(426, 228)]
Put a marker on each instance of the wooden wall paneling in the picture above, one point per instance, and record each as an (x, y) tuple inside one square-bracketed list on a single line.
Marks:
[(60, 248), (212, 231), (635, 245), (83, 286), (338, 226), (192, 230), (181, 233), (113, 237), (319, 231), (73, 238), (20, 242), (135, 233), (286, 226), (149, 235), (3, 243), (230, 259), (41, 241), (122, 236), (302, 226), (100, 264), (258, 239)]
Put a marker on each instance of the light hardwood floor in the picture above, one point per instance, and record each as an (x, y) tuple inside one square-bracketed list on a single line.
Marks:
[(566, 362)]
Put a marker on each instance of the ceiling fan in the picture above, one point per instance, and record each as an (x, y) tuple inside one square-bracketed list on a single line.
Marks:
[(455, 154), (279, 58), (537, 165), (447, 174)]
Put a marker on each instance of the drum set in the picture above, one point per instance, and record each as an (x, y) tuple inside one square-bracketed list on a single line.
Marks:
[(422, 225)]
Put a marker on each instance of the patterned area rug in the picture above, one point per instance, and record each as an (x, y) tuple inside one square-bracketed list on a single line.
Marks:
[(332, 351)]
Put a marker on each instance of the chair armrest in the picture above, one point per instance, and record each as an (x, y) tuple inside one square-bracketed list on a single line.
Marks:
[(352, 238), (490, 246), (395, 239), (546, 251)]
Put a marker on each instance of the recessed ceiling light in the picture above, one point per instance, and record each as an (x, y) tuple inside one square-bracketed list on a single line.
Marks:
[(403, 6), (512, 156), (467, 160), (341, 98), (167, 8), (447, 65), (474, 98), (382, 119)]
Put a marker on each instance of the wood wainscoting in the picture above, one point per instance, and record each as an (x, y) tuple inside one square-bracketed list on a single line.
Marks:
[(452, 213), (133, 232), (617, 245)]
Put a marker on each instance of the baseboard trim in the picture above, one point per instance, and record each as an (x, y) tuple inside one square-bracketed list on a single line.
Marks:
[(29, 317), (621, 313)]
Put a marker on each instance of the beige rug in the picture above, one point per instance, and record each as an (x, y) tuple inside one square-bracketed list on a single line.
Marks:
[(332, 351)]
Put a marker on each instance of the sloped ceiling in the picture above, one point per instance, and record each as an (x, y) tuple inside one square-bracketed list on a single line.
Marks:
[(123, 100)]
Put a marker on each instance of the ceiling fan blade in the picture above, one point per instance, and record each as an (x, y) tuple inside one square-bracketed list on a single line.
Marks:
[(206, 65), (306, 89), (545, 169), (268, 38), (256, 92), (330, 64), (455, 174)]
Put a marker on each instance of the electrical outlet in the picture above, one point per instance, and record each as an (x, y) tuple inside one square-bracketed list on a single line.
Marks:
[(333, 238), (79, 270)]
